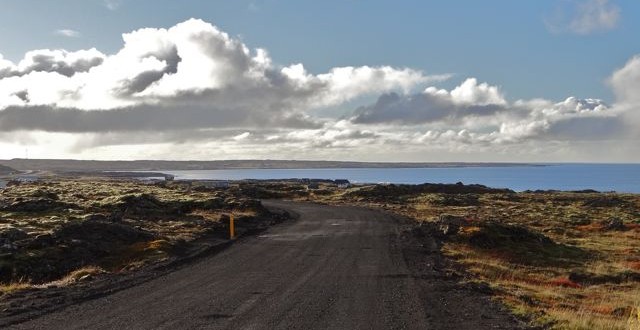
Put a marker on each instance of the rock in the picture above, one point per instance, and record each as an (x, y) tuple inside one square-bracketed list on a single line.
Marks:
[(13, 183), (605, 201), (141, 205), (213, 203), (586, 278), (480, 287), (529, 300), (450, 224), (201, 189), (95, 217), (459, 200), (9, 236), (100, 233), (45, 194), (41, 241), (622, 311), (116, 216), (35, 205), (578, 220), (13, 234), (614, 224), (251, 204), (225, 219), (495, 235), (148, 206), (7, 246)]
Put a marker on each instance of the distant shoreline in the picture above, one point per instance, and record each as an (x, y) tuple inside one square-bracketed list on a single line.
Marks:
[(64, 165)]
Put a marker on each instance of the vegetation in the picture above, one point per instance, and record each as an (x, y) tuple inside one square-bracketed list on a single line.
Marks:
[(58, 232), (563, 260)]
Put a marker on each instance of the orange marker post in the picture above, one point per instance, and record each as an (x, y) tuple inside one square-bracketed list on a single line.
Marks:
[(232, 227)]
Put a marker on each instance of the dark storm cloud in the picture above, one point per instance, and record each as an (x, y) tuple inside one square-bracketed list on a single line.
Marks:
[(419, 109), (588, 128), (58, 61)]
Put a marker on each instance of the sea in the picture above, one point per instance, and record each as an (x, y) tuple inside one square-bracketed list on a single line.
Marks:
[(624, 178)]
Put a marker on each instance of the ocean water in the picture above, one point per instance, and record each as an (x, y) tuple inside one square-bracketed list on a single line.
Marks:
[(601, 177)]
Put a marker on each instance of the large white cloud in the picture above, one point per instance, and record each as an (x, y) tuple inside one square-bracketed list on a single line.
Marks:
[(191, 73), (470, 99), (478, 113), (626, 82), (192, 91)]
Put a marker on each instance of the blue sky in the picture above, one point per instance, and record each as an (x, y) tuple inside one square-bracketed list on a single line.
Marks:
[(504, 42), (500, 80)]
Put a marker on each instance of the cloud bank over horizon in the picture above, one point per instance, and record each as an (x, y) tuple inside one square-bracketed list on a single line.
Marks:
[(192, 91)]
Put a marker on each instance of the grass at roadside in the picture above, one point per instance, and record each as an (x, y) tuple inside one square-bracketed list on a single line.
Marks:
[(57, 232)]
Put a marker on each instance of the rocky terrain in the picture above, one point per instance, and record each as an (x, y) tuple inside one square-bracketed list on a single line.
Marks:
[(56, 233), (562, 260)]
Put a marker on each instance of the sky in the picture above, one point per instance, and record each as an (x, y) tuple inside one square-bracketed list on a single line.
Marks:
[(499, 80)]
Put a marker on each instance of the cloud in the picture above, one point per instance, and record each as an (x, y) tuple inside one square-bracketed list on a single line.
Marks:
[(588, 17), (570, 120), (595, 15), (626, 82), (193, 91), (472, 93), (51, 61), (476, 113), (191, 75), (67, 33), (143, 118), (470, 99), (6, 67)]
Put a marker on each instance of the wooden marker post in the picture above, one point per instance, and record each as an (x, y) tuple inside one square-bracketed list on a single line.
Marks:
[(232, 227)]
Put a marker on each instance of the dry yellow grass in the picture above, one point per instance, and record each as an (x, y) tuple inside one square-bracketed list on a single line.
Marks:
[(546, 294), (71, 278), (12, 287), (78, 275), (634, 319)]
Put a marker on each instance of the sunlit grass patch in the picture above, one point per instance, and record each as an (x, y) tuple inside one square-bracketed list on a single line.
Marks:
[(14, 287), (75, 276)]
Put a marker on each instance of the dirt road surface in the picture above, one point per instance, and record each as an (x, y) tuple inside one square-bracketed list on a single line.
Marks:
[(331, 268)]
